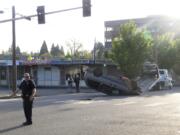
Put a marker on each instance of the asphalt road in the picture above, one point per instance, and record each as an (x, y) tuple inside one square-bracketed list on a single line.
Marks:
[(153, 113)]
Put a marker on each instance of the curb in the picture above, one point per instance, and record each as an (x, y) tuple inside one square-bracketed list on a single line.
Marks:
[(8, 97)]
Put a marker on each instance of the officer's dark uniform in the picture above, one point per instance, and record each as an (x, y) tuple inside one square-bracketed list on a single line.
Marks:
[(27, 87)]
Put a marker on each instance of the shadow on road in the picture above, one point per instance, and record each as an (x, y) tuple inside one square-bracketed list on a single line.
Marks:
[(10, 129)]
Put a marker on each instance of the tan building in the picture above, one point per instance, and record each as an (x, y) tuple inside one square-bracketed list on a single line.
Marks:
[(154, 24)]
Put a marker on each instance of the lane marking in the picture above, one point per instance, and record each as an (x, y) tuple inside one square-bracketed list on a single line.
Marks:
[(83, 102), (155, 104), (57, 102), (88, 102), (126, 103)]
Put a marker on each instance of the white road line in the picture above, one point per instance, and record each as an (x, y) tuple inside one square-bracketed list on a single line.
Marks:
[(100, 101), (155, 104), (126, 103), (57, 102), (88, 102), (83, 102), (8, 100)]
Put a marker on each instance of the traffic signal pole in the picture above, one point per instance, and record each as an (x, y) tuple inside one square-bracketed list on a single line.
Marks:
[(35, 15), (86, 12)]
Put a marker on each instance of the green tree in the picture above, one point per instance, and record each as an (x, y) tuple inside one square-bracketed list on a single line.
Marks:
[(56, 51), (68, 55), (44, 48), (85, 54), (52, 51), (177, 57), (130, 49), (8, 54), (35, 55), (165, 51), (18, 50), (46, 56)]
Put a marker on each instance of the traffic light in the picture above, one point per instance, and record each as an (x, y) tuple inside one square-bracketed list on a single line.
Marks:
[(86, 8), (41, 14)]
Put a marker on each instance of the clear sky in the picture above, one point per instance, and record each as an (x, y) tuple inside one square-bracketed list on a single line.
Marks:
[(63, 27)]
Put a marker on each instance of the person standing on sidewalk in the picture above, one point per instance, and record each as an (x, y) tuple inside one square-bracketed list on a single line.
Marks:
[(77, 80), (28, 89), (70, 81)]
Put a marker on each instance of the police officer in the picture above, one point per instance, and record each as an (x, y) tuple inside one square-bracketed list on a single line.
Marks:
[(28, 89)]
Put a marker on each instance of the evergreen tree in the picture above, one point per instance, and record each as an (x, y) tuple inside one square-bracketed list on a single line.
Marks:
[(18, 51), (57, 51), (53, 50), (44, 48)]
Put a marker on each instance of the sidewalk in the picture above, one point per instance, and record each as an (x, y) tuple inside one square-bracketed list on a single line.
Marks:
[(5, 92)]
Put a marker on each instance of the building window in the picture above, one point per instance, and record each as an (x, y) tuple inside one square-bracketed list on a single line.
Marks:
[(3, 73), (20, 72), (109, 40), (109, 29)]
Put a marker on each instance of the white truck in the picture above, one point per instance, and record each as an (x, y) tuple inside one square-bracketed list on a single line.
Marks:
[(165, 79), (154, 78)]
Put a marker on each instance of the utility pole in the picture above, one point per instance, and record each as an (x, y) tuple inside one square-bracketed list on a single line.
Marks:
[(74, 50), (94, 51), (14, 68)]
